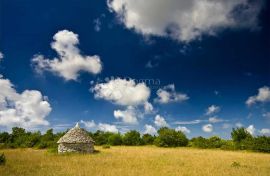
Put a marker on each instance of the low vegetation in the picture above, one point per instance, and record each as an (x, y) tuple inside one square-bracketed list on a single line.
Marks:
[(136, 160), (166, 137)]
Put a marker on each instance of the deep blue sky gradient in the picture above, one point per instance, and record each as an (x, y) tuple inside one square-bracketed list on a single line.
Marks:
[(235, 63)]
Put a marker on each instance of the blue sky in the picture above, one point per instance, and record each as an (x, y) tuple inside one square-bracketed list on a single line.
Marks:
[(122, 65)]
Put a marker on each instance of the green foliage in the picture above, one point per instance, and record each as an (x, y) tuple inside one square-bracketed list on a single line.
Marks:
[(261, 144), (241, 140), (132, 138), (101, 137), (212, 142), (170, 138), (240, 134), (228, 145), (148, 139), (2, 159), (115, 139)]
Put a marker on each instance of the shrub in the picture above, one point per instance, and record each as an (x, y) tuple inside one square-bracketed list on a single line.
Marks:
[(199, 142), (228, 145), (148, 139), (2, 159), (115, 139), (261, 144), (132, 138), (240, 134), (170, 138)]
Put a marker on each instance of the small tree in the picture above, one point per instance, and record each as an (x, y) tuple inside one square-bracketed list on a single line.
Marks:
[(240, 134), (170, 138), (148, 139), (115, 139), (132, 137)]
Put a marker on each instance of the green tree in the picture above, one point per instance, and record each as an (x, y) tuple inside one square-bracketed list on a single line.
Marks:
[(170, 138), (115, 139), (148, 139), (132, 137), (240, 134)]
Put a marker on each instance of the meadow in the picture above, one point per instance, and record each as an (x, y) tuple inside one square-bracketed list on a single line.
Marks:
[(136, 161)]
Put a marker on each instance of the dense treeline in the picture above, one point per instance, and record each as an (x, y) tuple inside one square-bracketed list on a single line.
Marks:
[(166, 137)]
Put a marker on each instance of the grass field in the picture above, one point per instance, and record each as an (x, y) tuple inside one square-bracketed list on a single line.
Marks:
[(136, 161)]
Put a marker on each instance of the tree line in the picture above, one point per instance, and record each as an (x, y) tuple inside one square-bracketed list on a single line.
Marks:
[(241, 139)]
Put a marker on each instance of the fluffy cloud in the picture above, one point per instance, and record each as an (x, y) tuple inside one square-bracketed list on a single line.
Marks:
[(69, 62), (265, 131), (1, 56), (251, 129), (122, 92), (183, 129), (185, 20), (212, 110), (168, 94), (100, 126), (28, 109), (148, 108), (128, 116), (107, 128), (208, 128), (160, 121), (149, 129), (263, 96), (89, 124)]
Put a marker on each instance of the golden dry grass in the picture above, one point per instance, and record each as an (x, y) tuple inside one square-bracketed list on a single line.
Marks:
[(136, 161)]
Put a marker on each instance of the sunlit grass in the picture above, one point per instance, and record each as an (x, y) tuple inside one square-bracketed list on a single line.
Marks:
[(137, 161)]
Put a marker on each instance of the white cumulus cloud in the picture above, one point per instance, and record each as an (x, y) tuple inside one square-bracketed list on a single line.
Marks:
[(28, 109), (148, 108), (168, 94), (107, 128), (69, 62), (183, 129), (208, 128), (122, 92), (160, 121), (251, 129), (212, 110), (128, 116), (265, 131), (185, 20), (263, 96), (100, 126), (89, 124), (149, 129)]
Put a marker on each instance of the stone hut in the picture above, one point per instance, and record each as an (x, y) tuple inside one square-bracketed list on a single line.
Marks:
[(76, 140)]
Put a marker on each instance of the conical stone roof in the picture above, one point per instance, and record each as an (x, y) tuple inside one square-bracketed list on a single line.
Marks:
[(76, 135)]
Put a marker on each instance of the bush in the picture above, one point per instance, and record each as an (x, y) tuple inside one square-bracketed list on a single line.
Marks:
[(115, 139), (132, 138), (148, 139), (228, 145), (2, 159), (240, 134), (170, 138), (261, 144)]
